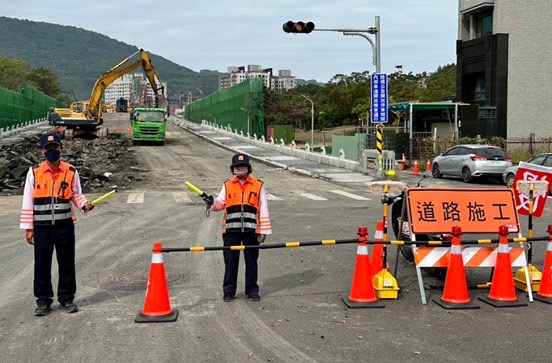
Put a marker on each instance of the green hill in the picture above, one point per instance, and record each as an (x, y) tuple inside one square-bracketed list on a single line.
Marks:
[(78, 57)]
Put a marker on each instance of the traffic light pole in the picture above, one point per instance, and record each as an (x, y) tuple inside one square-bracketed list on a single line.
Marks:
[(306, 28), (376, 60), (360, 32)]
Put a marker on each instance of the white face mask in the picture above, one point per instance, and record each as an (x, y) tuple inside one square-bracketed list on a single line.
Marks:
[(240, 171)]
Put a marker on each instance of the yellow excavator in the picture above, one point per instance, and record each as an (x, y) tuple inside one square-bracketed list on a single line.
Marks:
[(84, 118)]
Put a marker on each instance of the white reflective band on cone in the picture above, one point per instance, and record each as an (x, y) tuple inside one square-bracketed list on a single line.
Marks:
[(378, 235), (503, 248), (456, 250), (549, 248), (362, 250), (157, 258)]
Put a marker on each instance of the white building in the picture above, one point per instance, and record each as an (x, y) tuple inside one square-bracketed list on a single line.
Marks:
[(134, 87), (235, 75)]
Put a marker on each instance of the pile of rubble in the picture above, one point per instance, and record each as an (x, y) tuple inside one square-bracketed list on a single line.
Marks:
[(102, 163)]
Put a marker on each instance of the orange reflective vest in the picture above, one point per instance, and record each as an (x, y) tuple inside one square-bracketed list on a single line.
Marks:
[(242, 206), (52, 198)]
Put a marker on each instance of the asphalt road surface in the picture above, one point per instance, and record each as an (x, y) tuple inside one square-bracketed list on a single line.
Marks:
[(300, 318)]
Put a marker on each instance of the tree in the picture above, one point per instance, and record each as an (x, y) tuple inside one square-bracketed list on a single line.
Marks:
[(14, 73), (46, 81), (345, 99), (440, 84)]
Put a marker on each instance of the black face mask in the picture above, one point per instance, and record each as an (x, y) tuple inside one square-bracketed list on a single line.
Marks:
[(52, 155)]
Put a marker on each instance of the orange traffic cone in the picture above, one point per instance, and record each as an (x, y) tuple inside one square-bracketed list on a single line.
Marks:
[(545, 290), (157, 307), (503, 292), (428, 165), (129, 129), (362, 291), (455, 293), (377, 250), (416, 170), (121, 129)]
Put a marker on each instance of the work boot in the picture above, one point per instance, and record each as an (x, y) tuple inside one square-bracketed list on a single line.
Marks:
[(254, 297), (69, 307), (42, 310)]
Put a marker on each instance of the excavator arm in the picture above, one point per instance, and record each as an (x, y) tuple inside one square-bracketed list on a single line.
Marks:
[(85, 116), (94, 109)]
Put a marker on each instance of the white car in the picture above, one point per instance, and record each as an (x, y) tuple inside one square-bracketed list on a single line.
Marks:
[(541, 159), (471, 161)]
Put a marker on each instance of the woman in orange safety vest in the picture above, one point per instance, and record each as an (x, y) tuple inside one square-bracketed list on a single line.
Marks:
[(246, 222)]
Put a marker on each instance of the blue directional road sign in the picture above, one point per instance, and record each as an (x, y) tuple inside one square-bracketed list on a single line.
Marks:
[(379, 98)]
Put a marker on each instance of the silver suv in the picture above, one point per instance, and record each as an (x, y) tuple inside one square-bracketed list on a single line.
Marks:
[(470, 161)]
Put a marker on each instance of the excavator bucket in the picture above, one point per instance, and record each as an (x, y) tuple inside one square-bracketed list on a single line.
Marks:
[(162, 102)]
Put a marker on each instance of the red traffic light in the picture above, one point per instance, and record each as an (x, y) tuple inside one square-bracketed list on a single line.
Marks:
[(298, 27)]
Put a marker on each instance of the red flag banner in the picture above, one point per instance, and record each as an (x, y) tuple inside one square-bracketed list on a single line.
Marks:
[(531, 172)]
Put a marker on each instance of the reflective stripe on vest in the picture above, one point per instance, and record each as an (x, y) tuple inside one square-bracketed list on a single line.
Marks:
[(242, 206), (52, 199)]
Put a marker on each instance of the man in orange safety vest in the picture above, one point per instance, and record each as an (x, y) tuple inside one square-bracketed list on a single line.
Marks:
[(47, 217)]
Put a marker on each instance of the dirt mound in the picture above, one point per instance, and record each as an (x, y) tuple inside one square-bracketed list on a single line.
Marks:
[(102, 163)]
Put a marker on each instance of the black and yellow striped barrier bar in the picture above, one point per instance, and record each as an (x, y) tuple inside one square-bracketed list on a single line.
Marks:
[(347, 241), (262, 246)]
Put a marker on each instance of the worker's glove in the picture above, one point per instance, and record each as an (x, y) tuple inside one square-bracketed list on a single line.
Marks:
[(88, 207), (209, 201), (261, 238)]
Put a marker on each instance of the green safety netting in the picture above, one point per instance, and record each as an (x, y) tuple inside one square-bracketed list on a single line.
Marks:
[(240, 107), (27, 105)]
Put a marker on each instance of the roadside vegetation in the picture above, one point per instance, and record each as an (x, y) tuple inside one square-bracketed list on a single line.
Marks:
[(345, 98)]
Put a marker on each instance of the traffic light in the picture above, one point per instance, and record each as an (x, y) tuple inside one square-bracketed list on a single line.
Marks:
[(298, 27)]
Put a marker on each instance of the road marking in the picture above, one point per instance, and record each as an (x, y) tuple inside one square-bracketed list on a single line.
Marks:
[(281, 158), (181, 197), (309, 195), (272, 197), (134, 198), (173, 134), (349, 195)]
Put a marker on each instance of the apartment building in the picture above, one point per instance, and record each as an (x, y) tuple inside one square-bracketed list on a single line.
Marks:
[(134, 87), (504, 65), (235, 75)]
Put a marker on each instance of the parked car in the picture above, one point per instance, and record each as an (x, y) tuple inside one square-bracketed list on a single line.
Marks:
[(541, 159), (471, 161)]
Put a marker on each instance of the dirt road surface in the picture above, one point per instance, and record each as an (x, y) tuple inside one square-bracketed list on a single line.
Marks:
[(301, 317)]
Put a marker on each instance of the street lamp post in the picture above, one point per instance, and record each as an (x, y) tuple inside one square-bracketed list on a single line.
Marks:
[(214, 118), (246, 111), (312, 119)]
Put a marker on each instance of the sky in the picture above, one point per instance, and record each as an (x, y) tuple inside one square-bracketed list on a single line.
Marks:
[(420, 35)]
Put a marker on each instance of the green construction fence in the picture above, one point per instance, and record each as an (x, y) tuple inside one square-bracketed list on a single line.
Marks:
[(239, 107), (29, 105)]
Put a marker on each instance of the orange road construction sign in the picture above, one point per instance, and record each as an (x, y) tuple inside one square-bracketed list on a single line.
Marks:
[(478, 210)]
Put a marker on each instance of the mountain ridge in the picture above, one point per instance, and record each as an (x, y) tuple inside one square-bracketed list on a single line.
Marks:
[(60, 48)]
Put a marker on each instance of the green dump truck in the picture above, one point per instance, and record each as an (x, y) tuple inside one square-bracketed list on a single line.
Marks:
[(148, 125)]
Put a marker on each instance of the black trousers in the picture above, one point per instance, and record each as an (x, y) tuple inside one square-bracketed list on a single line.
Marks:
[(232, 261), (60, 237)]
